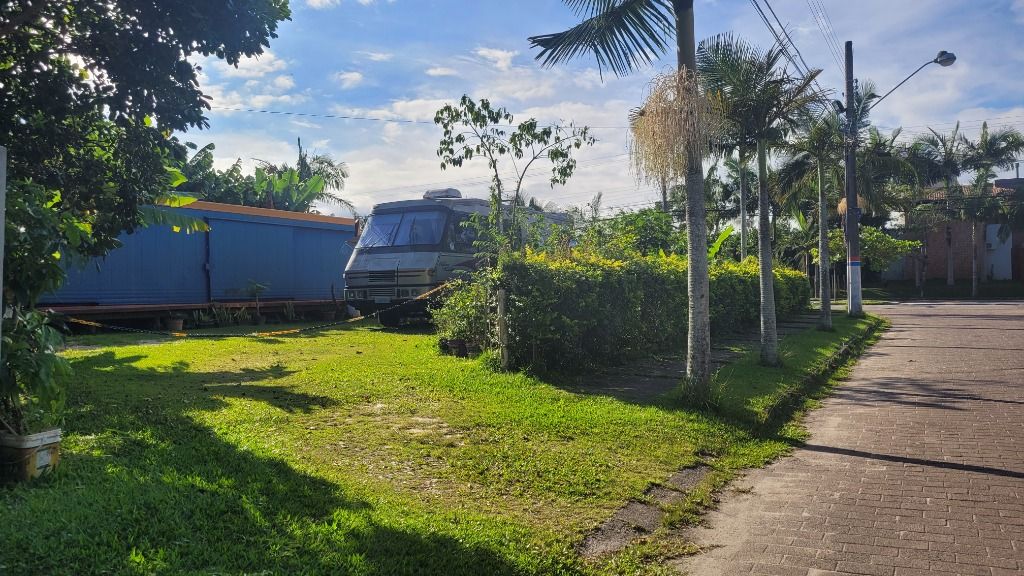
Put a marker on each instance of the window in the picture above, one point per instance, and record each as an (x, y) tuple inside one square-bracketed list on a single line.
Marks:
[(462, 235), (420, 228), (424, 227), (380, 230)]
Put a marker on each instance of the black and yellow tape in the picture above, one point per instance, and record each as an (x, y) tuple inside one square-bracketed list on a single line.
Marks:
[(268, 334)]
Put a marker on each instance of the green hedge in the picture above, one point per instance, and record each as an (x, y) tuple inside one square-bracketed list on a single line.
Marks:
[(565, 314)]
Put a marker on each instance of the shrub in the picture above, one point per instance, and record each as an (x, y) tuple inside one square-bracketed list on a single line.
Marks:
[(570, 313)]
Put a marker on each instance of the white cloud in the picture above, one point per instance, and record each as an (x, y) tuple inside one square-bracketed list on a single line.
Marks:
[(220, 96), (376, 56), (502, 59), (283, 83), (321, 4), (419, 109), (305, 124), (441, 71), (252, 67), (349, 80), (1018, 9), (247, 145)]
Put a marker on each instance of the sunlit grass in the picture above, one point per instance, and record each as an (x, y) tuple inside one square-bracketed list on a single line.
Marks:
[(355, 450)]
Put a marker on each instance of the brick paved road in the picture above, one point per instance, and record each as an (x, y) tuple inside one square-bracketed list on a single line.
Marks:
[(914, 466)]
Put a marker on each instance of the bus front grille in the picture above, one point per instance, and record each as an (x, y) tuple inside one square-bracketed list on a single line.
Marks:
[(381, 292), (383, 277)]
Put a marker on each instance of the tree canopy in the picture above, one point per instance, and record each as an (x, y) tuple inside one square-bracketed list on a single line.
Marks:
[(92, 91)]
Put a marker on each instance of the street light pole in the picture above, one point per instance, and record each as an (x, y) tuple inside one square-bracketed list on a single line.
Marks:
[(854, 304), (854, 301)]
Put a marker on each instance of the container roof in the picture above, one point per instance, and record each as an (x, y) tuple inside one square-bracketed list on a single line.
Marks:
[(268, 213)]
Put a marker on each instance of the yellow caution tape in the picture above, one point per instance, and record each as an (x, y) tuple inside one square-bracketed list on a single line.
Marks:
[(270, 334)]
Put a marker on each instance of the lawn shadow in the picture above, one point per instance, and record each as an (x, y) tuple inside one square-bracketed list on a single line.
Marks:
[(146, 488)]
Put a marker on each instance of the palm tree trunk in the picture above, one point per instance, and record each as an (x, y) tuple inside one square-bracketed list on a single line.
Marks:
[(950, 279), (950, 276), (769, 334), (825, 317), (698, 338), (743, 208), (664, 194), (974, 259)]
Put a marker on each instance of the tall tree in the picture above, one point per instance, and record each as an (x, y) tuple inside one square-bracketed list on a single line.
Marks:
[(627, 35), (91, 90), (993, 149), (815, 150), (939, 158), (761, 100), (330, 172)]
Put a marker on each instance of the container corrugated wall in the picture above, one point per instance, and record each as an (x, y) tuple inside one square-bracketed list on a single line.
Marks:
[(295, 257)]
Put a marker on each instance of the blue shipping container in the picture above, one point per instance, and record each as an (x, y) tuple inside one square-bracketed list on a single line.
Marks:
[(296, 256)]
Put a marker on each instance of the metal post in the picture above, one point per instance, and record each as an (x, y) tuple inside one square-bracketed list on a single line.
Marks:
[(854, 305), (502, 329)]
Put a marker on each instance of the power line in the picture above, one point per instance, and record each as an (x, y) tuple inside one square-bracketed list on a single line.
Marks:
[(364, 118), (830, 34), (481, 179), (828, 41), (318, 115), (805, 71), (788, 37), (778, 38)]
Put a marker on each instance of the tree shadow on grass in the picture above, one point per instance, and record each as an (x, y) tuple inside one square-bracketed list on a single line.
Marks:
[(144, 488)]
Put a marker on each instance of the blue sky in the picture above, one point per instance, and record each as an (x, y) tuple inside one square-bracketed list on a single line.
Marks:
[(403, 59)]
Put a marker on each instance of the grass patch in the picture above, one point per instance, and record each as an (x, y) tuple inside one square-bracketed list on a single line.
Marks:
[(753, 393), (361, 451)]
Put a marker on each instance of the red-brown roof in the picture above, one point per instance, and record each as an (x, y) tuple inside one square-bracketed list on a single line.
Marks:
[(267, 212)]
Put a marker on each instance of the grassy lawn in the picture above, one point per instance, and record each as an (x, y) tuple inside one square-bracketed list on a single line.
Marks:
[(360, 451)]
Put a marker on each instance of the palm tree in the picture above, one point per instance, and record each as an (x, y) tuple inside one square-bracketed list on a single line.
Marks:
[(816, 148), (737, 169), (286, 190), (939, 158), (332, 172), (761, 100), (627, 35), (993, 149)]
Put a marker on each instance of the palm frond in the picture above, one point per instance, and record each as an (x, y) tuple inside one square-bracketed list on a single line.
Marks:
[(622, 35)]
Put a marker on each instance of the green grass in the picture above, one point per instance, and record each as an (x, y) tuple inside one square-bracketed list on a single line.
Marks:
[(361, 451)]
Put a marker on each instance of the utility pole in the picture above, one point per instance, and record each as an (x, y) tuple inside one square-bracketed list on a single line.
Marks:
[(854, 305)]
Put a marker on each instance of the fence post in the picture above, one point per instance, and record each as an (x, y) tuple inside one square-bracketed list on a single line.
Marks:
[(502, 329)]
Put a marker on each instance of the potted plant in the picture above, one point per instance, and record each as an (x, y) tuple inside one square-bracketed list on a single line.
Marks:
[(175, 322), (254, 290), (32, 393)]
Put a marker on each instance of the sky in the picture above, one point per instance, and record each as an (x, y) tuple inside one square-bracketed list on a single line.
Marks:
[(398, 61)]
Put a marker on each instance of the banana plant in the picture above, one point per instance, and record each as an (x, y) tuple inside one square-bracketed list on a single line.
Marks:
[(716, 246), (158, 214)]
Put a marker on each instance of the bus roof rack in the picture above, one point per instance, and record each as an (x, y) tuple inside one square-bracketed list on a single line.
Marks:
[(441, 193)]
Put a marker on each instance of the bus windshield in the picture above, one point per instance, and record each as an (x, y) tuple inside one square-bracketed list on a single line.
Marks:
[(421, 227)]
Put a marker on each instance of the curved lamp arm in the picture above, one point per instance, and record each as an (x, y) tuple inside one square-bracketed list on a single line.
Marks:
[(943, 59)]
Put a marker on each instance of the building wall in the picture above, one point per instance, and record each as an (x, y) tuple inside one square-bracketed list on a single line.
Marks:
[(297, 257), (995, 256), (998, 261)]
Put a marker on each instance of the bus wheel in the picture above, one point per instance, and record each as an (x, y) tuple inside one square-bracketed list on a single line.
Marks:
[(390, 318)]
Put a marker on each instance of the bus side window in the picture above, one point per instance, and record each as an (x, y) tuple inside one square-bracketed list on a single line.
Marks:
[(462, 235)]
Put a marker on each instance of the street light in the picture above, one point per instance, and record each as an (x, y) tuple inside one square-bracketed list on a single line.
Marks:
[(942, 59), (854, 302)]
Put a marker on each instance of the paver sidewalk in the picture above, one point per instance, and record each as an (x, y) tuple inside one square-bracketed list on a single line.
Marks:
[(914, 466)]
